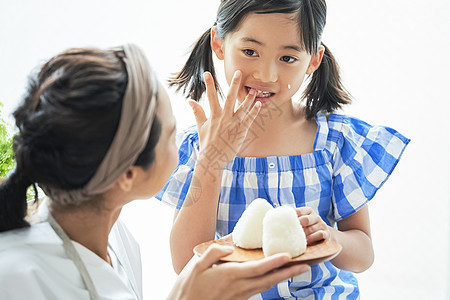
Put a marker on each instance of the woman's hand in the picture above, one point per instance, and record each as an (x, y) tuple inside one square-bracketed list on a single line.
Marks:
[(313, 225), (224, 132), (202, 279)]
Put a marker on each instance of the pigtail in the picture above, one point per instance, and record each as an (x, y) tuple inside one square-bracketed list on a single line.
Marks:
[(190, 78), (325, 91), (13, 201)]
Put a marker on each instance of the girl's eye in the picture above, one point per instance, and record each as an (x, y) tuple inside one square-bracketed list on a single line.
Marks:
[(250, 52), (288, 59)]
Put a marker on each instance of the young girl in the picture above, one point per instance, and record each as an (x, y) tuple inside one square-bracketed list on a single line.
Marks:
[(304, 155)]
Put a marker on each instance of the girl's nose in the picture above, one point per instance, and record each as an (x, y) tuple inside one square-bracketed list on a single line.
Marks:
[(266, 72)]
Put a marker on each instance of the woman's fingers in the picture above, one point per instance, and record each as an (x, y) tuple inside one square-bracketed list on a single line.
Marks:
[(230, 102), (212, 255), (261, 267), (199, 113), (212, 95), (266, 281)]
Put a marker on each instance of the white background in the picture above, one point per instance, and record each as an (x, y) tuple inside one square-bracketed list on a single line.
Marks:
[(394, 60)]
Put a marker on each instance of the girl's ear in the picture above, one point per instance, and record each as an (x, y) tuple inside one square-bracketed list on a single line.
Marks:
[(216, 43), (316, 60), (126, 180)]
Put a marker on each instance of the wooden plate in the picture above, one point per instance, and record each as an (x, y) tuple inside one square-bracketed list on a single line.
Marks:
[(314, 254)]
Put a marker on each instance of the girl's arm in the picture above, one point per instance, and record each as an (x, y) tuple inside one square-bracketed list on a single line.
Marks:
[(196, 221), (353, 234)]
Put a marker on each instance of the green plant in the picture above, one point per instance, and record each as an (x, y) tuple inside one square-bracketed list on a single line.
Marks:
[(7, 160)]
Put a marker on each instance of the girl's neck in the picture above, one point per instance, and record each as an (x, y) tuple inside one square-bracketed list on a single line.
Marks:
[(281, 130), (88, 226), (274, 117)]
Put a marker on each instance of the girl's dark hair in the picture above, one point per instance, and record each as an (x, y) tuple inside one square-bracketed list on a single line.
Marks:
[(324, 92), (67, 121)]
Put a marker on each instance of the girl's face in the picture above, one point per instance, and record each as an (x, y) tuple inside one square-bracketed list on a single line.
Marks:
[(268, 51)]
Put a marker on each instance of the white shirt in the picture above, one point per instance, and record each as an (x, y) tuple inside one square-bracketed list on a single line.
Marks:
[(34, 265)]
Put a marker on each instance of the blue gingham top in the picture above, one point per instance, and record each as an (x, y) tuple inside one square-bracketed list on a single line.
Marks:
[(350, 161)]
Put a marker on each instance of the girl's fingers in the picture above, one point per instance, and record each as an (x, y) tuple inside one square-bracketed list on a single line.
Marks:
[(248, 119), (304, 210), (248, 101), (308, 220), (243, 109), (313, 228), (311, 219), (199, 113), (212, 95), (230, 102), (317, 236)]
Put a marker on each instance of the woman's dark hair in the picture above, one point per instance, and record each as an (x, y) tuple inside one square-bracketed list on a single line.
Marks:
[(67, 121), (324, 92)]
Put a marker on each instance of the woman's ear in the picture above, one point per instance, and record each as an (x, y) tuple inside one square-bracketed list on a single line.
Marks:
[(126, 180), (216, 43), (316, 60)]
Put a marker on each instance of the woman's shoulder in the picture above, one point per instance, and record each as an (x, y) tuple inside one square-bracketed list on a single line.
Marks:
[(27, 243), (20, 269), (40, 233), (24, 251), (33, 265)]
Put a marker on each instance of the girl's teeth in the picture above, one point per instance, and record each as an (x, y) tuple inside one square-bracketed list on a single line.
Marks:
[(261, 94)]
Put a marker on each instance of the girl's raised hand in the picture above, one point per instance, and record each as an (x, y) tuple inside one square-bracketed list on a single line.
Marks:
[(225, 131), (313, 225), (202, 279)]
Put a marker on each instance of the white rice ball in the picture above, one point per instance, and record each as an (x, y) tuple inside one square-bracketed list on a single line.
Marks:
[(283, 233), (248, 231)]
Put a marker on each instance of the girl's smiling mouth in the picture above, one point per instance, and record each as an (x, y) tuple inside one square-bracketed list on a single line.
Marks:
[(261, 96)]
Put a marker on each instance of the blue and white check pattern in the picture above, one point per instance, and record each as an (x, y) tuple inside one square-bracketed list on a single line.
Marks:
[(350, 161)]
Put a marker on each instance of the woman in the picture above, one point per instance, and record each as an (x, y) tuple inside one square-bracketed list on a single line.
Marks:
[(97, 132)]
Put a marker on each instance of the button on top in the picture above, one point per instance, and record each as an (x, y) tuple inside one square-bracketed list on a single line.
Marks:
[(271, 165)]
